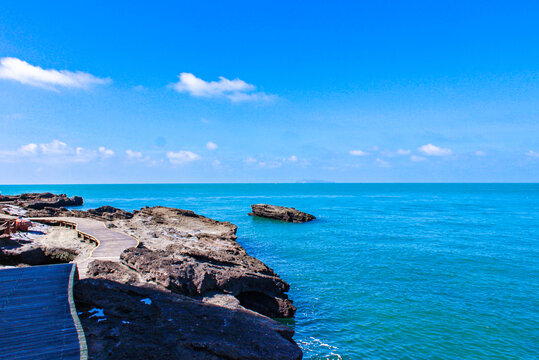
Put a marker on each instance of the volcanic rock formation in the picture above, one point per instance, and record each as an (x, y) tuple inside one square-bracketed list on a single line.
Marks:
[(288, 214)]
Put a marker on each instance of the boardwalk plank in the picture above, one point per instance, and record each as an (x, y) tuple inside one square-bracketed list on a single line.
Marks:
[(36, 320)]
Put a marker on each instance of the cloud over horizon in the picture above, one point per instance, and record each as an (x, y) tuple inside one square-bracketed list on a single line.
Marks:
[(433, 150), (358, 153), (210, 145), (235, 90), (55, 152), (182, 157), (24, 73)]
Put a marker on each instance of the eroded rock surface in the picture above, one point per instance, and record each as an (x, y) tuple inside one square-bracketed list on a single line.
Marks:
[(133, 322), (108, 213), (196, 256), (43, 245), (40, 201), (288, 214)]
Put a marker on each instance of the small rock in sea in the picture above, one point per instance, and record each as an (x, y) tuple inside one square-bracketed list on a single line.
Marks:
[(288, 214)]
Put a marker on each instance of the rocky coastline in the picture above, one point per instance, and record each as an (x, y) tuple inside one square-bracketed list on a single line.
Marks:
[(187, 291)]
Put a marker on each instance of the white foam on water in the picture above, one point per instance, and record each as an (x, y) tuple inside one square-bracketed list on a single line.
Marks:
[(317, 346)]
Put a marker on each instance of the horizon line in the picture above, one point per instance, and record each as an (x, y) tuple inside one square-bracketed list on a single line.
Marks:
[(277, 183)]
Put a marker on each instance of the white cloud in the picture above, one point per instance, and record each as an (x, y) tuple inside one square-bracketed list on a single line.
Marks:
[(417, 158), (480, 153), (382, 163), (105, 153), (54, 152), (134, 155), (140, 88), (358, 153), (292, 158), (24, 73), (80, 155), (211, 145), (139, 157), (264, 163), (28, 149), (433, 150), (55, 147), (274, 164), (399, 152), (182, 157), (235, 90), (403, 152), (532, 153)]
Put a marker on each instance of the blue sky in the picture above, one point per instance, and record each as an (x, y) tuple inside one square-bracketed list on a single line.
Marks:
[(102, 92)]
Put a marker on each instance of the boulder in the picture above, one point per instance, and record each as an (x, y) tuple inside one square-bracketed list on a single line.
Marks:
[(133, 322), (192, 275), (288, 214), (109, 213), (39, 201)]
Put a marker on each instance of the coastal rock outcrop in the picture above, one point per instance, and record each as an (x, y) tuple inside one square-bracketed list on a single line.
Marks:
[(133, 322), (108, 213), (193, 255), (288, 214), (39, 201), (188, 291), (42, 245)]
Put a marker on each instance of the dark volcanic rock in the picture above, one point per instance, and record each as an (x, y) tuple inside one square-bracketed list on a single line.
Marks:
[(195, 275), (40, 201), (196, 256), (288, 214), (110, 213), (55, 201), (13, 253), (48, 212), (146, 323), (112, 270)]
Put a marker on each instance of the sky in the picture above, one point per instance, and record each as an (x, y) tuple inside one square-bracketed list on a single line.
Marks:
[(269, 91)]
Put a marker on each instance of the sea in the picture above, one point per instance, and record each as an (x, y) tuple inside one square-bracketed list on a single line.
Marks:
[(387, 271)]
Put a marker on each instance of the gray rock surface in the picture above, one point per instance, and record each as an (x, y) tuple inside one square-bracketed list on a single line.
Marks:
[(109, 213), (196, 256), (133, 322), (39, 201), (42, 245), (288, 214)]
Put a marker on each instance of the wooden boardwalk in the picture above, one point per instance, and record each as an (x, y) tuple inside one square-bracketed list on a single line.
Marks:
[(111, 243), (38, 319)]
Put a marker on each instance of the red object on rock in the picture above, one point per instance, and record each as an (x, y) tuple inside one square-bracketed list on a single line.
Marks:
[(22, 224)]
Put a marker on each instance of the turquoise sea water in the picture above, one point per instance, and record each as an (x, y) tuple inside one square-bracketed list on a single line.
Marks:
[(388, 271)]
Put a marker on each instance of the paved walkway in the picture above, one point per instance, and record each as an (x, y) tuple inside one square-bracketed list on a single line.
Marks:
[(111, 243), (38, 319)]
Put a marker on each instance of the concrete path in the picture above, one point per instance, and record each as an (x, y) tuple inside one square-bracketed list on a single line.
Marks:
[(111, 243), (38, 319)]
